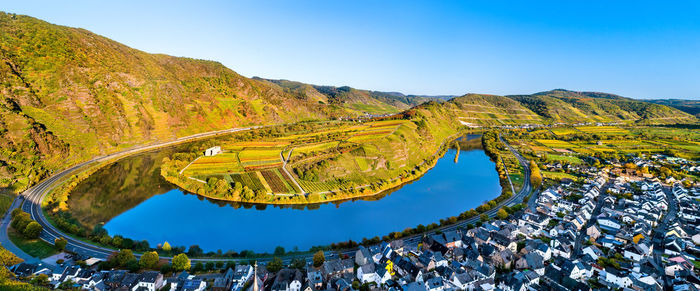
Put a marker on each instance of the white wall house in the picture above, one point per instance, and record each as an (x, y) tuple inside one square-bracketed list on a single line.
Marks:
[(212, 151)]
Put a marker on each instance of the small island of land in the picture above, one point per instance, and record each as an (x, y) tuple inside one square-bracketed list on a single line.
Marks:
[(314, 162)]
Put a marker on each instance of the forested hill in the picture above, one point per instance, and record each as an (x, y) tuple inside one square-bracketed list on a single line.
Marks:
[(688, 106), (571, 106), (67, 95), (361, 101)]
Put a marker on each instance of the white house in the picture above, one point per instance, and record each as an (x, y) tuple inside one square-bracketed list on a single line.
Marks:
[(618, 278), (609, 223), (151, 280), (368, 273), (212, 151)]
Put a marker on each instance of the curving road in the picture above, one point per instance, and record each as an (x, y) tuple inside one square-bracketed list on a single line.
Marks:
[(31, 198), (31, 203)]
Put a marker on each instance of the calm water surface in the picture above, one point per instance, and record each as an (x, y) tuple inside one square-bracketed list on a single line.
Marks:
[(184, 219)]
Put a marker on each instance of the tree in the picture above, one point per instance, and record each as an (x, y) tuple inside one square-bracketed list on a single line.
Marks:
[(209, 266), (181, 262), (483, 217), (502, 214), (149, 260), (279, 251), (535, 175), (166, 247), (21, 220), (298, 264), (124, 257), (60, 243), (195, 251), (319, 258), (40, 280), (33, 230), (274, 265)]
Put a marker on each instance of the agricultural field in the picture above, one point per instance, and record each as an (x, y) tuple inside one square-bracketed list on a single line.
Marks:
[(278, 181), (220, 164), (557, 144), (250, 179), (260, 158), (602, 130), (575, 145), (564, 131), (313, 148)]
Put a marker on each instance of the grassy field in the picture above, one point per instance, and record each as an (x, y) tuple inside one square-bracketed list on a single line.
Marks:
[(559, 175), (33, 247), (562, 158)]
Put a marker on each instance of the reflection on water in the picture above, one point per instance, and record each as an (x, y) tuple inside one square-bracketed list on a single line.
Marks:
[(185, 219)]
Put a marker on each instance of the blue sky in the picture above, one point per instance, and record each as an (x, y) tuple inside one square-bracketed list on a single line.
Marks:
[(632, 48)]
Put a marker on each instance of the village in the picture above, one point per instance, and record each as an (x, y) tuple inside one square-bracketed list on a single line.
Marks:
[(615, 229)]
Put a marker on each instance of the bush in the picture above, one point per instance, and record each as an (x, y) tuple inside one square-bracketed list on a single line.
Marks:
[(60, 243), (33, 230)]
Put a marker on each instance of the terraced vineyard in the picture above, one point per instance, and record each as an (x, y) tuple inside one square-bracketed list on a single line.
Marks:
[(279, 182)]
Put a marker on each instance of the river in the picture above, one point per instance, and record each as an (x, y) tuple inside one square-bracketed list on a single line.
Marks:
[(160, 212)]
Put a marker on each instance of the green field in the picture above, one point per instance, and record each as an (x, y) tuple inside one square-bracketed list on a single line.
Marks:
[(33, 247), (562, 158), (559, 175)]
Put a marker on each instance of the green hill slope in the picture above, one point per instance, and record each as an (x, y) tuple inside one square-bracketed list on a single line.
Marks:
[(68, 94), (687, 106), (570, 107)]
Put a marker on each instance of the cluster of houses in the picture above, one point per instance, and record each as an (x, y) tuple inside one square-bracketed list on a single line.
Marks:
[(604, 232)]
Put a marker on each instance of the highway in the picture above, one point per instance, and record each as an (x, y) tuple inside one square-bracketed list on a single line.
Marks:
[(32, 204), (33, 196)]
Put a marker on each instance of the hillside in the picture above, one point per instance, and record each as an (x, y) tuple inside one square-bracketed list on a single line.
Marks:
[(687, 106), (69, 94), (491, 110), (360, 101), (571, 107)]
